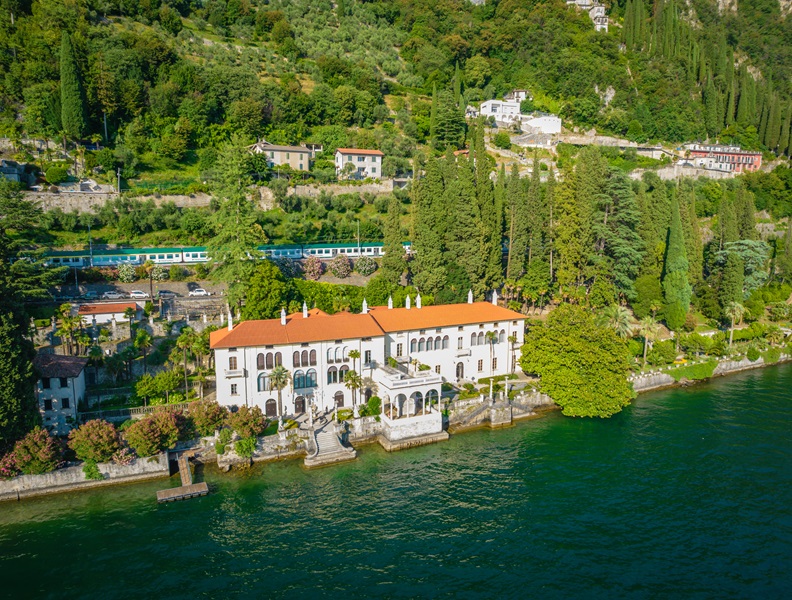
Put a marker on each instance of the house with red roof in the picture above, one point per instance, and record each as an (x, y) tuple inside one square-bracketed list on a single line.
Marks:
[(357, 163), (404, 355)]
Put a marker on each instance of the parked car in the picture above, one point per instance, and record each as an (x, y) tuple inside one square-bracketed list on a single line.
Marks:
[(166, 295), (138, 295), (112, 295), (199, 292), (90, 296)]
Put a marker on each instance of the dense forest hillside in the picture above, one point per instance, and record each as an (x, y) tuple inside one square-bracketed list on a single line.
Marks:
[(164, 83)]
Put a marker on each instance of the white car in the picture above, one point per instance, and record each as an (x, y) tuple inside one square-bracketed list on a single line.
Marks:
[(199, 292), (138, 295), (112, 296)]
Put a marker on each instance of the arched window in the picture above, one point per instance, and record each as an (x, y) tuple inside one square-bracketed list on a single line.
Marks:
[(260, 361), (421, 345), (310, 378), (338, 355), (329, 356), (263, 383), (332, 375), (481, 338), (339, 399), (299, 380), (502, 336), (269, 360), (412, 346), (344, 354), (313, 358), (299, 404), (429, 344), (296, 359), (278, 359), (342, 373), (438, 341), (271, 408), (473, 339), (304, 358), (445, 342)]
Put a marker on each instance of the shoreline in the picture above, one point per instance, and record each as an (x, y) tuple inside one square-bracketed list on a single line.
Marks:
[(30, 486)]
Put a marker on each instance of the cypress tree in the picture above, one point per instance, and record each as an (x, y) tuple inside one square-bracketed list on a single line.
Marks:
[(773, 124), (535, 211), (783, 139), (655, 217), (518, 240), (746, 104), (623, 245), (745, 210), (428, 270), (393, 264), (729, 117), (728, 229), (690, 227), (711, 109), (784, 261), (72, 94), (468, 243), (433, 116), (449, 123), (568, 233), (676, 287)]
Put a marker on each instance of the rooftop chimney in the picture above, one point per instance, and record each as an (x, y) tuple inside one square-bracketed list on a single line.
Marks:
[(230, 319), (470, 296), (390, 302), (407, 302), (365, 307), (283, 316), (495, 297), (418, 301), (305, 310)]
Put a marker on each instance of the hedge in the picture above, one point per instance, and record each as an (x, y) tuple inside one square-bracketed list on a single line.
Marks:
[(694, 372)]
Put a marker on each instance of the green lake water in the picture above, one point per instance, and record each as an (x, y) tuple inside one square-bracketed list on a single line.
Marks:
[(687, 493)]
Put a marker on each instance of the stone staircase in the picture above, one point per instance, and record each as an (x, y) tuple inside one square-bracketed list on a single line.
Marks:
[(329, 448)]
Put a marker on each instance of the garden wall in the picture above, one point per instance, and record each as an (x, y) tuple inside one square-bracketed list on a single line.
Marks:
[(85, 202), (73, 478)]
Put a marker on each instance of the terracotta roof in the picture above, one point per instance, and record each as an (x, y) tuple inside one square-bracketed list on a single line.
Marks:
[(318, 327), (443, 315), (106, 309), (57, 365), (359, 151)]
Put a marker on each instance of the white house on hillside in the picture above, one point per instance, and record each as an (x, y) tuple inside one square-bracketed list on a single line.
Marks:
[(365, 163), (59, 389), (405, 355)]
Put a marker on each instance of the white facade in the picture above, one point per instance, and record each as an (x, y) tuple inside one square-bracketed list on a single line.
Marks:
[(502, 110), (104, 313), (405, 355), (60, 387), (543, 123), (365, 163)]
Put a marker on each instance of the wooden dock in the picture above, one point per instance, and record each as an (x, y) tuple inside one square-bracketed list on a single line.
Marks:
[(188, 489)]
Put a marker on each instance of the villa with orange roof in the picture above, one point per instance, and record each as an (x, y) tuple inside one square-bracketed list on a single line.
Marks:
[(405, 355)]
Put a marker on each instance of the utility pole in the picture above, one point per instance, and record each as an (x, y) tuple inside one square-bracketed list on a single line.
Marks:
[(90, 246), (358, 237), (119, 180)]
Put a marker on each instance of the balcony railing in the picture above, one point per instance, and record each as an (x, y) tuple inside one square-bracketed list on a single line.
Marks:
[(230, 373)]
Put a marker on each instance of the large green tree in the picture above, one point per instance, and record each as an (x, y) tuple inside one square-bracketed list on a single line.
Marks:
[(676, 286), (583, 367), (393, 263), (73, 118)]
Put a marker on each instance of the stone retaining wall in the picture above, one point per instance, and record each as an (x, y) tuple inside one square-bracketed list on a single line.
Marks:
[(73, 478), (84, 202)]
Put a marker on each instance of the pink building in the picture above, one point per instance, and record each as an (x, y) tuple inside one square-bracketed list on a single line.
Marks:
[(724, 158)]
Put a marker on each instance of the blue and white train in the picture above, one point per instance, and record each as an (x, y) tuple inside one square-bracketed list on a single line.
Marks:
[(198, 254)]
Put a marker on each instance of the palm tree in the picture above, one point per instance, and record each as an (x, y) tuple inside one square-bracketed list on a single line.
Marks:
[(735, 311), (143, 342), (648, 328), (185, 342), (129, 314), (95, 357), (354, 355), (513, 341), (279, 379), (491, 337), (774, 335), (617, 318), (353, 382), (148, 267)]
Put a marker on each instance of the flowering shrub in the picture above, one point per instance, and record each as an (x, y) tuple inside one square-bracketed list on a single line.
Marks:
[(95, 441), (366, 266), (313, 268), (159, 273), (248, 422), (38, 452), (154, 433), (340, 266), (126, 273), (8, 468), (207, 416), (123, 457)]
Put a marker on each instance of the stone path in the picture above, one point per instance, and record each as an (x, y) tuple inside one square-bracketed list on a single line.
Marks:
[(329, 448)]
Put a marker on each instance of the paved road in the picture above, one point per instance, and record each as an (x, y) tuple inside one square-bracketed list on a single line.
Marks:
[(180, 288)]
